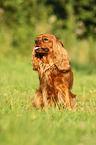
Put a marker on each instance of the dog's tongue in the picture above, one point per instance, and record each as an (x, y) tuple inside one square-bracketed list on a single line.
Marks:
[(37, 48)]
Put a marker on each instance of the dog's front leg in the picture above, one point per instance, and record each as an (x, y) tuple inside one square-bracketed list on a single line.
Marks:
[(38, 100), (46, 99), (67, 98), (64, 97)]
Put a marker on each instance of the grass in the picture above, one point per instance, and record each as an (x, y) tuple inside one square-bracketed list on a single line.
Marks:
[(24, 125)]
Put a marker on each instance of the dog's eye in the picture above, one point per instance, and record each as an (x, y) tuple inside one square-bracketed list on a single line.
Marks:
[(45, 39)]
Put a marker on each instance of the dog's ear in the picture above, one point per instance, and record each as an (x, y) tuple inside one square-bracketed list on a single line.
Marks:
[(34, 60), (60, 56)]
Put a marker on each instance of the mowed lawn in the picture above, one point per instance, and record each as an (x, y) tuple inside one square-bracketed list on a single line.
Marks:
[(21, 124)]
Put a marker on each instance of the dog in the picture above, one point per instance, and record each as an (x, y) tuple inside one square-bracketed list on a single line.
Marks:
[(50, 59)]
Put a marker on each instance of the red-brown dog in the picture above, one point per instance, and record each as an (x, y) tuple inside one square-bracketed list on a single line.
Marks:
[(50, 59)]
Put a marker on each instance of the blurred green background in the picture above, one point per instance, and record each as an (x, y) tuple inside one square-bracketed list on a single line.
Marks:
[(72, 21)]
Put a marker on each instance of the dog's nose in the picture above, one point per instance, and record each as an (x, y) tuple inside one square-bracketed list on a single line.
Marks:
[(36, 41)]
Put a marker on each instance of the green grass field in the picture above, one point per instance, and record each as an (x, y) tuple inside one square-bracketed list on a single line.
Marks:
[(21, 124)]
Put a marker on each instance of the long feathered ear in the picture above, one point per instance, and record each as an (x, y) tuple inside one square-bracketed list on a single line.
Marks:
[(60, 56), (34, 61)]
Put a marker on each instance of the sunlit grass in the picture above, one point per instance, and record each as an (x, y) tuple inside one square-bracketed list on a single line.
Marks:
[(22, 124)]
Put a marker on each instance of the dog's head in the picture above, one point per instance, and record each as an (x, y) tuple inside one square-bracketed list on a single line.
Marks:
[(44, 44), (47, 44)]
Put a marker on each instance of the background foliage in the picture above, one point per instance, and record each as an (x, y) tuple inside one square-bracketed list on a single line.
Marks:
[(72, 21)]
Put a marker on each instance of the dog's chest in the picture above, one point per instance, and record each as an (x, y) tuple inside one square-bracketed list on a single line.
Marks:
[(45, 66), (44, 71), (47, 74)]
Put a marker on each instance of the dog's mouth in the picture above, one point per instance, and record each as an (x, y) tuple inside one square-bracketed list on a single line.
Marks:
[(41, 50)]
